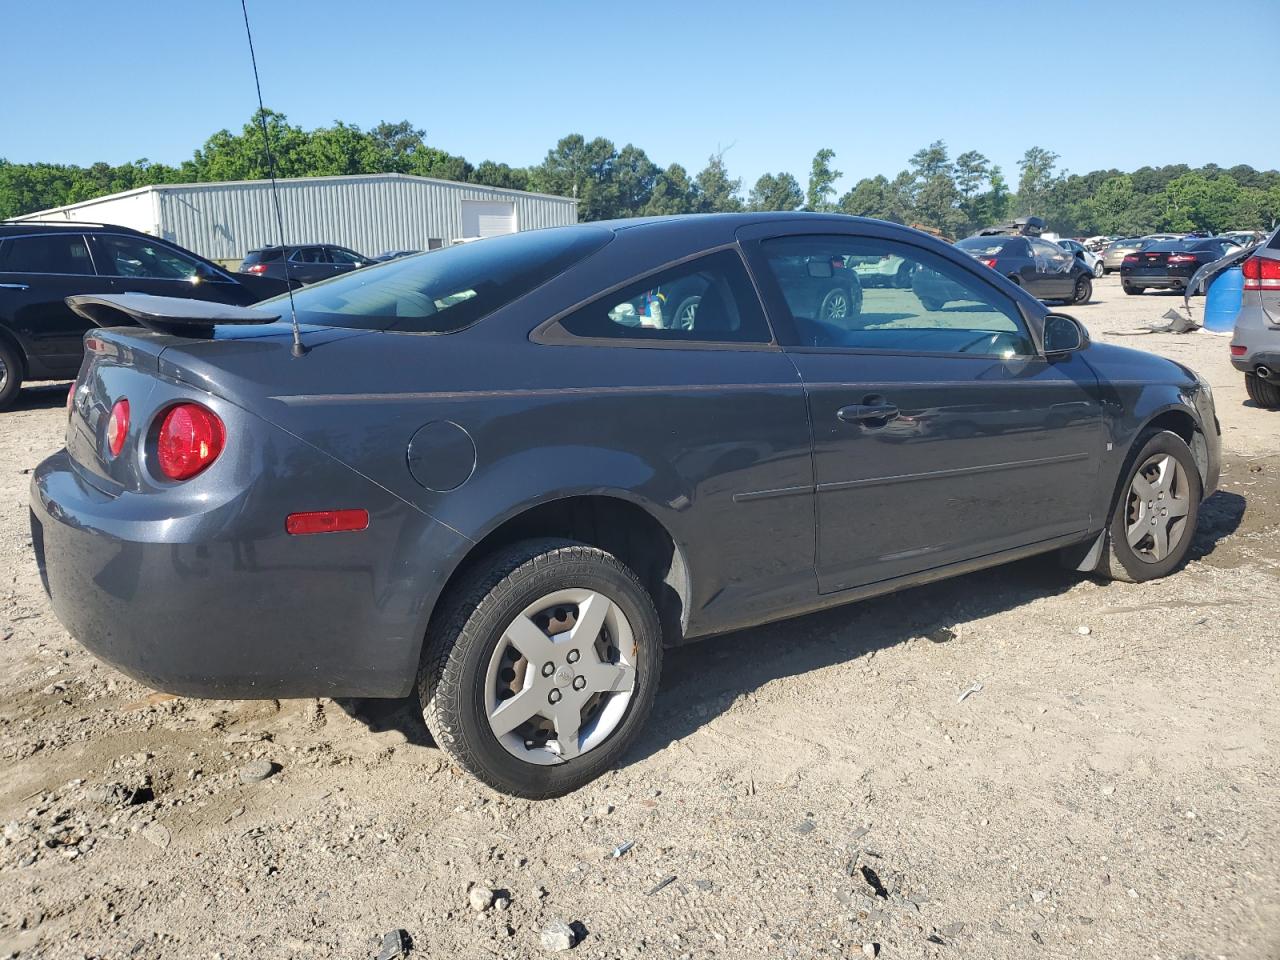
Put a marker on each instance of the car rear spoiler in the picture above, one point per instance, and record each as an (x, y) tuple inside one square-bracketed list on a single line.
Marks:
[(176, 315)]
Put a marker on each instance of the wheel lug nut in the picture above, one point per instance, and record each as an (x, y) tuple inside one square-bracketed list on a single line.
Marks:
[(548, 669), (579, 682), (572, 656), (554, 696)]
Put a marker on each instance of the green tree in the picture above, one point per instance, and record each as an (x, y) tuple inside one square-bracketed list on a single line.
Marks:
[(778, 191), (1037, 178), (492, 174), (717, 192), (576, 167), (822, 180), (673, 192)]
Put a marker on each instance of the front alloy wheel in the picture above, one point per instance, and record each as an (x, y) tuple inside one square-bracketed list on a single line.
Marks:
[(1155, 515), (541, 667)]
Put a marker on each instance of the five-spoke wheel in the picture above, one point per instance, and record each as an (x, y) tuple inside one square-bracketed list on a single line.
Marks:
[(541, 667)]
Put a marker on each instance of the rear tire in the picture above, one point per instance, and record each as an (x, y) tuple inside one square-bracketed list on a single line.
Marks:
[(932, 304), (1083, 292), (11, 374), (1261, 392), (493, 643), (1098, 270), (1132, 291), (1138, 550)]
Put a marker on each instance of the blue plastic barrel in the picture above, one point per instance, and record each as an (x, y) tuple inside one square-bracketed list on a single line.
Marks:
[(1222, 302)]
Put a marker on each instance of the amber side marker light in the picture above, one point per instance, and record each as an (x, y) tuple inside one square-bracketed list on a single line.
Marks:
[(326, 521)]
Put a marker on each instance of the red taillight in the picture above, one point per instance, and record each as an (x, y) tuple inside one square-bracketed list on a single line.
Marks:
[(256, 268), (1261, 273), (190, 439), (1179, 258), (71, 395), (991, 262), (118, 427), (326, 521), (1130, 258), (1238, 351)]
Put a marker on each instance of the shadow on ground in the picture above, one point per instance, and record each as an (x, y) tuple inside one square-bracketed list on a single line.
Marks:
[(701, 680)]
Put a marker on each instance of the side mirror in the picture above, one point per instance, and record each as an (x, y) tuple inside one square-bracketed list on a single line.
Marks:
[(1063, 335)]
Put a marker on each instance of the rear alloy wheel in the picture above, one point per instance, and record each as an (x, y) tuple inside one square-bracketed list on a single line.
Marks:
[(540, 671), (1264, 394), (10, 375), (1084, 290), (1098, 270), (1154, 518)]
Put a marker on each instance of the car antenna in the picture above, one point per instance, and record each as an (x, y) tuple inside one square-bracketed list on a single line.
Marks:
[(298, 348)]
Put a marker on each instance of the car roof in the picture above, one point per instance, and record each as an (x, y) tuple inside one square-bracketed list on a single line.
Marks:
[(11, 228)]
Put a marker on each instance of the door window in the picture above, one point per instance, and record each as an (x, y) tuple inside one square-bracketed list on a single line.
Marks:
[(1049, 257), (343, 256), (65, 253), (824, 286), (139, 257), (308, 255), (705, 300)]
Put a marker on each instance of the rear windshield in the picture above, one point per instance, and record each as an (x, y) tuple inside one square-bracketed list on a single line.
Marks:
[(447, 289), (983, 246), (262, 256)]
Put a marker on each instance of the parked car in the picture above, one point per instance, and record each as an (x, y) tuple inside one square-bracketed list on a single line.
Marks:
[(1243, 238), (1090, 259), (394, 255), (887, 271), (41, 264), (1255, 343), (305, 263), (1169, 264), (479, 480), (1113, 256), (1046, 270)]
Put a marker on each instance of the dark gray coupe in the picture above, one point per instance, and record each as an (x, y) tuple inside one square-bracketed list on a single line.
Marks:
[(508, 473)]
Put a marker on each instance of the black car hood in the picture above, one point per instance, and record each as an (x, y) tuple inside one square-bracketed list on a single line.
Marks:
[(1115, 363)]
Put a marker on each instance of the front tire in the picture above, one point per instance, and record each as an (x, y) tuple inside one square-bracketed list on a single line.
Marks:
[(1098, 270), (541, 667), (1153, 520), (1083, 292), (1264, 394), (11, 372)]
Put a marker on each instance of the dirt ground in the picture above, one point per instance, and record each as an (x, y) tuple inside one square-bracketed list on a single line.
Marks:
[(1109, 787)]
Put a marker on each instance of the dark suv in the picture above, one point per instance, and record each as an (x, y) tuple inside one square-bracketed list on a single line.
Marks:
[(306, 263), (41, 264)]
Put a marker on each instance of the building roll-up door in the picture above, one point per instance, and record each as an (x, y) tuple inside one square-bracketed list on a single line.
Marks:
[(488, 218)]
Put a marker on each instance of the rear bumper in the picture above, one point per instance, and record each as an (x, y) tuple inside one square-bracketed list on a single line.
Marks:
[(1250, 362), (226, 604), (1161, 280)]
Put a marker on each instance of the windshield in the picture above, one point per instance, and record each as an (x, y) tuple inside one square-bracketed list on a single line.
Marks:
[(982, 246), (448, 289)]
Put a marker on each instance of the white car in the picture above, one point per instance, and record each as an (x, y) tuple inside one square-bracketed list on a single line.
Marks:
[(1091, 260)]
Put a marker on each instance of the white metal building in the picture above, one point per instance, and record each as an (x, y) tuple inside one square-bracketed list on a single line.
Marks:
[(370, 213)]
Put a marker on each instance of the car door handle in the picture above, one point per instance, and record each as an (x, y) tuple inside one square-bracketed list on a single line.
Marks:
[(13, 286), (867, 412)]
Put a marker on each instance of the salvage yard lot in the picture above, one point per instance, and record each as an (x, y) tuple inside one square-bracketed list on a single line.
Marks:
[(1108, 786)]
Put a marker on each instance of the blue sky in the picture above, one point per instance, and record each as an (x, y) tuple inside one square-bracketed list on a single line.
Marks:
[(1102, 84)]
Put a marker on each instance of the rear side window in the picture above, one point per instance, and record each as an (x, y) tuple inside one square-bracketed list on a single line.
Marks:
[(309, 255), (983, 246), (450, 289), (707, 300), (135, 257), (65, 253)]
